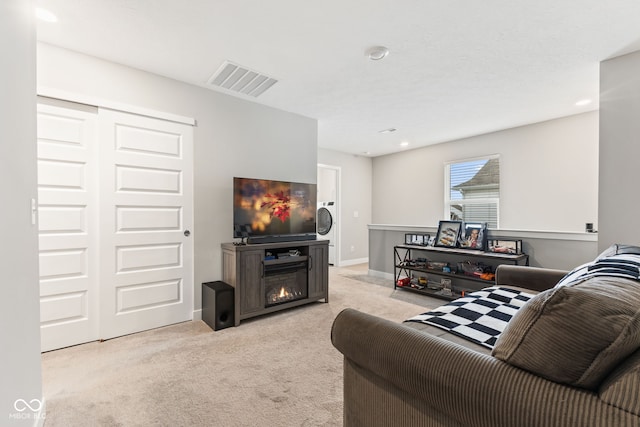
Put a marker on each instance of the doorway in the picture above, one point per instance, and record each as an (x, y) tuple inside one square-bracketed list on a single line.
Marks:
[(328, 214)]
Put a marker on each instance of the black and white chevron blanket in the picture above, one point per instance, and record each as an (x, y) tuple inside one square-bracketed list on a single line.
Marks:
[(480, 316)]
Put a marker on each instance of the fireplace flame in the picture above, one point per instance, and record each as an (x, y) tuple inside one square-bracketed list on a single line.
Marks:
[(283, 294)]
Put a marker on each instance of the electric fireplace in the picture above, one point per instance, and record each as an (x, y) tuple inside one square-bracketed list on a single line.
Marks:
[(285, 282)]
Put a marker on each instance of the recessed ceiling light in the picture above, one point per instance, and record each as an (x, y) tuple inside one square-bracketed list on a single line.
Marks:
[(387, 130), (377, 53), (404, 144), (45, 15), (583, 102)]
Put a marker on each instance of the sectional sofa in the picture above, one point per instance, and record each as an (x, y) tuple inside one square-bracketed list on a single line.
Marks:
[(569, 357)]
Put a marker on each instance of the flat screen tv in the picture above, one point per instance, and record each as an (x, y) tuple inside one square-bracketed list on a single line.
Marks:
[(267, 211)]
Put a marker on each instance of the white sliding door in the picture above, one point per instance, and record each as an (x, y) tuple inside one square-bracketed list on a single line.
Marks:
[(146, 197), (68, 218), (115, 214)]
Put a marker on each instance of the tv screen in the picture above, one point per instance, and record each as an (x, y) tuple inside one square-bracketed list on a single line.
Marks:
[(264, 207)]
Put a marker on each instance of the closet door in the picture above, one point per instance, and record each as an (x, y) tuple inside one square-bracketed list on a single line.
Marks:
[(146, 277), (67, 221)]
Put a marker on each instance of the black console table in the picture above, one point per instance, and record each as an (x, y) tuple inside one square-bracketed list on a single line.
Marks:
[(430, 272)]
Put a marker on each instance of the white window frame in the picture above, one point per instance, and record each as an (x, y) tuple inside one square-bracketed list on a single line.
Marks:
[(447, 189)]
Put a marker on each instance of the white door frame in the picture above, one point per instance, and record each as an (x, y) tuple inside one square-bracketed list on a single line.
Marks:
[(90, 100), (338, 200)]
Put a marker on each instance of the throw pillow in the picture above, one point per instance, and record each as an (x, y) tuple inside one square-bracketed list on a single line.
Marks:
[(577, 332), (618, 249)]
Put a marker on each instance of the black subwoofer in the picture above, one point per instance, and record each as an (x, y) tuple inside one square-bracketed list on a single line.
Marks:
[(218, 305)]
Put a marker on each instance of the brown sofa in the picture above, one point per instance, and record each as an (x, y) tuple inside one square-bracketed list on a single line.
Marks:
[(410, 374)]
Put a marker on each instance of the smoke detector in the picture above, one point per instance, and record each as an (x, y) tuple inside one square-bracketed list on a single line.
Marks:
[(240, 79), (377, 53)]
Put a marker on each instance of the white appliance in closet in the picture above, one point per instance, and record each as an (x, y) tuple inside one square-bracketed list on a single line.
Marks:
[(326, 226)]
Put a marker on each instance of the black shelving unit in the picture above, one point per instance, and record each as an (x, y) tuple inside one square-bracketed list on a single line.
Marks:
[(412, 262)]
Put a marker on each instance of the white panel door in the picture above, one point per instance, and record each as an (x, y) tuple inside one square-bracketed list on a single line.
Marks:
[(68, 218), (146, 200)]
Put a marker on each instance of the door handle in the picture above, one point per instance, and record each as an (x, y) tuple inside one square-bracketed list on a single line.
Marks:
[(187, 233)]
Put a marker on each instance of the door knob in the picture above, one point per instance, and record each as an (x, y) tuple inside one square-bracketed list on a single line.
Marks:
[(187, 233)]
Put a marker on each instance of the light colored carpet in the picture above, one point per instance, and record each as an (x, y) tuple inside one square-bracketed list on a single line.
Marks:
[(398, 294), (273, 370)]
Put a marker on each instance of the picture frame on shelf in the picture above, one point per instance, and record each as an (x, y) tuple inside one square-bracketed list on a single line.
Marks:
[(474, 236), (448, 234), (419, 239), (511, 247)]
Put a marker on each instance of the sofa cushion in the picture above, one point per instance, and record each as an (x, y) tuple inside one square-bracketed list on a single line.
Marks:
[(579, 331), (442, 334)]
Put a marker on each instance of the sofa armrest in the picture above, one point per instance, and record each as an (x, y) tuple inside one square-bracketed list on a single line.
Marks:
[(448, 380), (535, 278)]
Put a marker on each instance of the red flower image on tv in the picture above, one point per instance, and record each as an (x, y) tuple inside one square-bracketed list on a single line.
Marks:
[(280, 205), (274, 208)]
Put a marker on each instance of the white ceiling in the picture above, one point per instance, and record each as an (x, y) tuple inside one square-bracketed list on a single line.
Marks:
[(457, 68)]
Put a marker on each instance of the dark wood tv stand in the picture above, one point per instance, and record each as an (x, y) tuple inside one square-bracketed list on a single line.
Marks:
[(247, 268)]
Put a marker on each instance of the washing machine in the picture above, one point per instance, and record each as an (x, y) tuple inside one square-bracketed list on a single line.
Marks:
[(326, 227)]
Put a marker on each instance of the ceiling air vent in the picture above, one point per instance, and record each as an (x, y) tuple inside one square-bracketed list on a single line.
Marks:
[(237, 78)]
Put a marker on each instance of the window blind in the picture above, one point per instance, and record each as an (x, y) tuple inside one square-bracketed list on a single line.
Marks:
[(473, 190)]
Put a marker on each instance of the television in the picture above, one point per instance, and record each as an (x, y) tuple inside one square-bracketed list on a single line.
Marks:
[(268, 211)]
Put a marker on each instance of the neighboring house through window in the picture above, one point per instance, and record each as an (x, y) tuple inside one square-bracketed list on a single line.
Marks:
[(472, 190)]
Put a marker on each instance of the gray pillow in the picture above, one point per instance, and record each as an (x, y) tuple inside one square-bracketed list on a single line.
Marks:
[(577, 332)]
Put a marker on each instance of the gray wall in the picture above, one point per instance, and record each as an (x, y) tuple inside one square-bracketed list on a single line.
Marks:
[(355, 196), (548, 191), (19, 308), (233, 137), (619, 150), (548, 177)]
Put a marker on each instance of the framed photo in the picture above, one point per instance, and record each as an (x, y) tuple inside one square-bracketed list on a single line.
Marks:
[(448, 232), (416, 239), (513, 247), (474, 236)]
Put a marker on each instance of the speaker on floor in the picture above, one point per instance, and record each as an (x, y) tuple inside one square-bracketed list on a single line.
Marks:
[(218, 305)]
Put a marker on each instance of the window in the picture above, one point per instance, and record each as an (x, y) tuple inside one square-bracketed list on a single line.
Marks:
[(472, 190)]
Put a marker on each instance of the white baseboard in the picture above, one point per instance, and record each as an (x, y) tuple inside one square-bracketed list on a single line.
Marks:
[(353, 262), (197, 314)]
